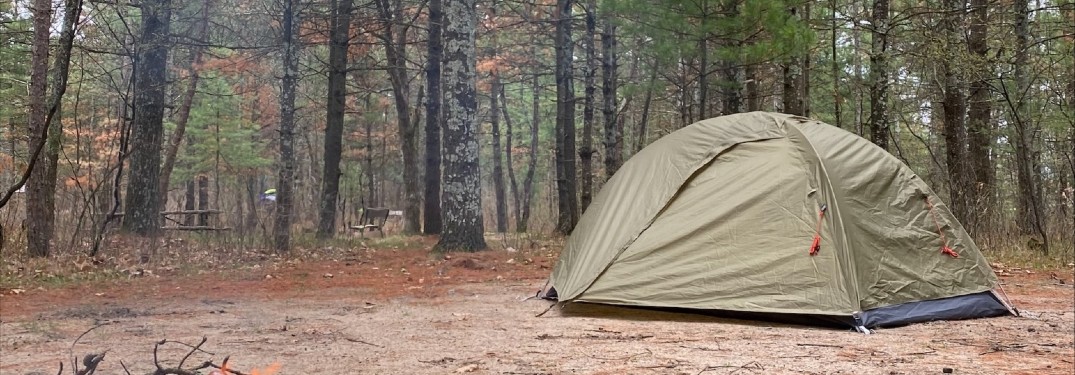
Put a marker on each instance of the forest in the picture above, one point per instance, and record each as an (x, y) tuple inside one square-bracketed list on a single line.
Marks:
[(500, 116)]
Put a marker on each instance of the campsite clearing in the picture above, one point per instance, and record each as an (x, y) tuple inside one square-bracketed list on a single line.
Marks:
[(402, 312)]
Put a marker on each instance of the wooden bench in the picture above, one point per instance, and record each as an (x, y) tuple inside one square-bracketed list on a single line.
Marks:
[(373, 218)]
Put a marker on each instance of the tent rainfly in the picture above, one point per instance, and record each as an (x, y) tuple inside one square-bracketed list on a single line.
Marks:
[(774, 216)]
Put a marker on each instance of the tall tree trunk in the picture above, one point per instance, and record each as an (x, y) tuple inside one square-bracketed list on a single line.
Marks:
[(286, 164), (805, 59), (609, 87), (792, 93), (141, 214), (336, 98), (953, 106), (531, 164), (498, 166), (979, 122), (731, 95), (647, 101), (1030, 207), (753, 92), (203, 200), (190, 201), (792, 98), (183, 113), (568, 206), (394, 38), (589, 73), (40, 200), (509, 146), (434, 50), (837, 99), (703, 78), (462, 183), (879, 127)]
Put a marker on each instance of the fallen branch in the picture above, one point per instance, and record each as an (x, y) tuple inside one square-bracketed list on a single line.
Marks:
[(627, 358), (362, 342), (821, 345)]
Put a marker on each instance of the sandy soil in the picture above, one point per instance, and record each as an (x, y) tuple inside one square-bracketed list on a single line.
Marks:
[(401, 312)]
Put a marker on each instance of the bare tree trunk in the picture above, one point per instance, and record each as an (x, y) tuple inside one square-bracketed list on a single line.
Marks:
[(183, 113), (979, 128), (731, 88), (434, 50), (1030, 207), (394, 39), (509, 146), (954, 107), (336, 98), (190, 201), (40, 199), (792, 93), (203, 200), (609, 87), (836, 97), (531, 165), (589, 73), (568, 206), (286, 177), (462, 183), (753, 93), (647, 101), (879, 124), (498, 167), (142, 215)]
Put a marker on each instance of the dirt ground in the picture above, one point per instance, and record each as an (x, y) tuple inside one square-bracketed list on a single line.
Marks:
[(403, 312)]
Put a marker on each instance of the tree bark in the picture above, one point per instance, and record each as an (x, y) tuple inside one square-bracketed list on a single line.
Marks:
[(498, 166), (879, 124), (609, 87), (462, 211), (183, 113), (753, 92), (203, 199), (509, 147), (792, 93), (979, 122), (394, 39), (837, 99), (567, 206), (40, 198), (647, 102), (954, 107), (1030, 207), (141, 211), (286, 165), (336, 99), (531, 163), (434, 50), (589, 73)]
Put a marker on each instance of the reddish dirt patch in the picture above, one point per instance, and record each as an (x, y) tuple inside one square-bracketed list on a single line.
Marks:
[(403, 311)]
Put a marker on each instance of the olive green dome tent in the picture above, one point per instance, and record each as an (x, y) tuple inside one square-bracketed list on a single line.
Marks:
[(775, 215)]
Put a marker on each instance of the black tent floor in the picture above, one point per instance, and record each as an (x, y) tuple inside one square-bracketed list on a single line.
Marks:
[(971, 306)]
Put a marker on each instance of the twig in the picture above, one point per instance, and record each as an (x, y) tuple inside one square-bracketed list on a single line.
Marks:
[(701, 348), (155, 361), (821, 345), (191, 352), (362, 342), (546, 310), (124, 367), (627, 358), (61, 369)]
